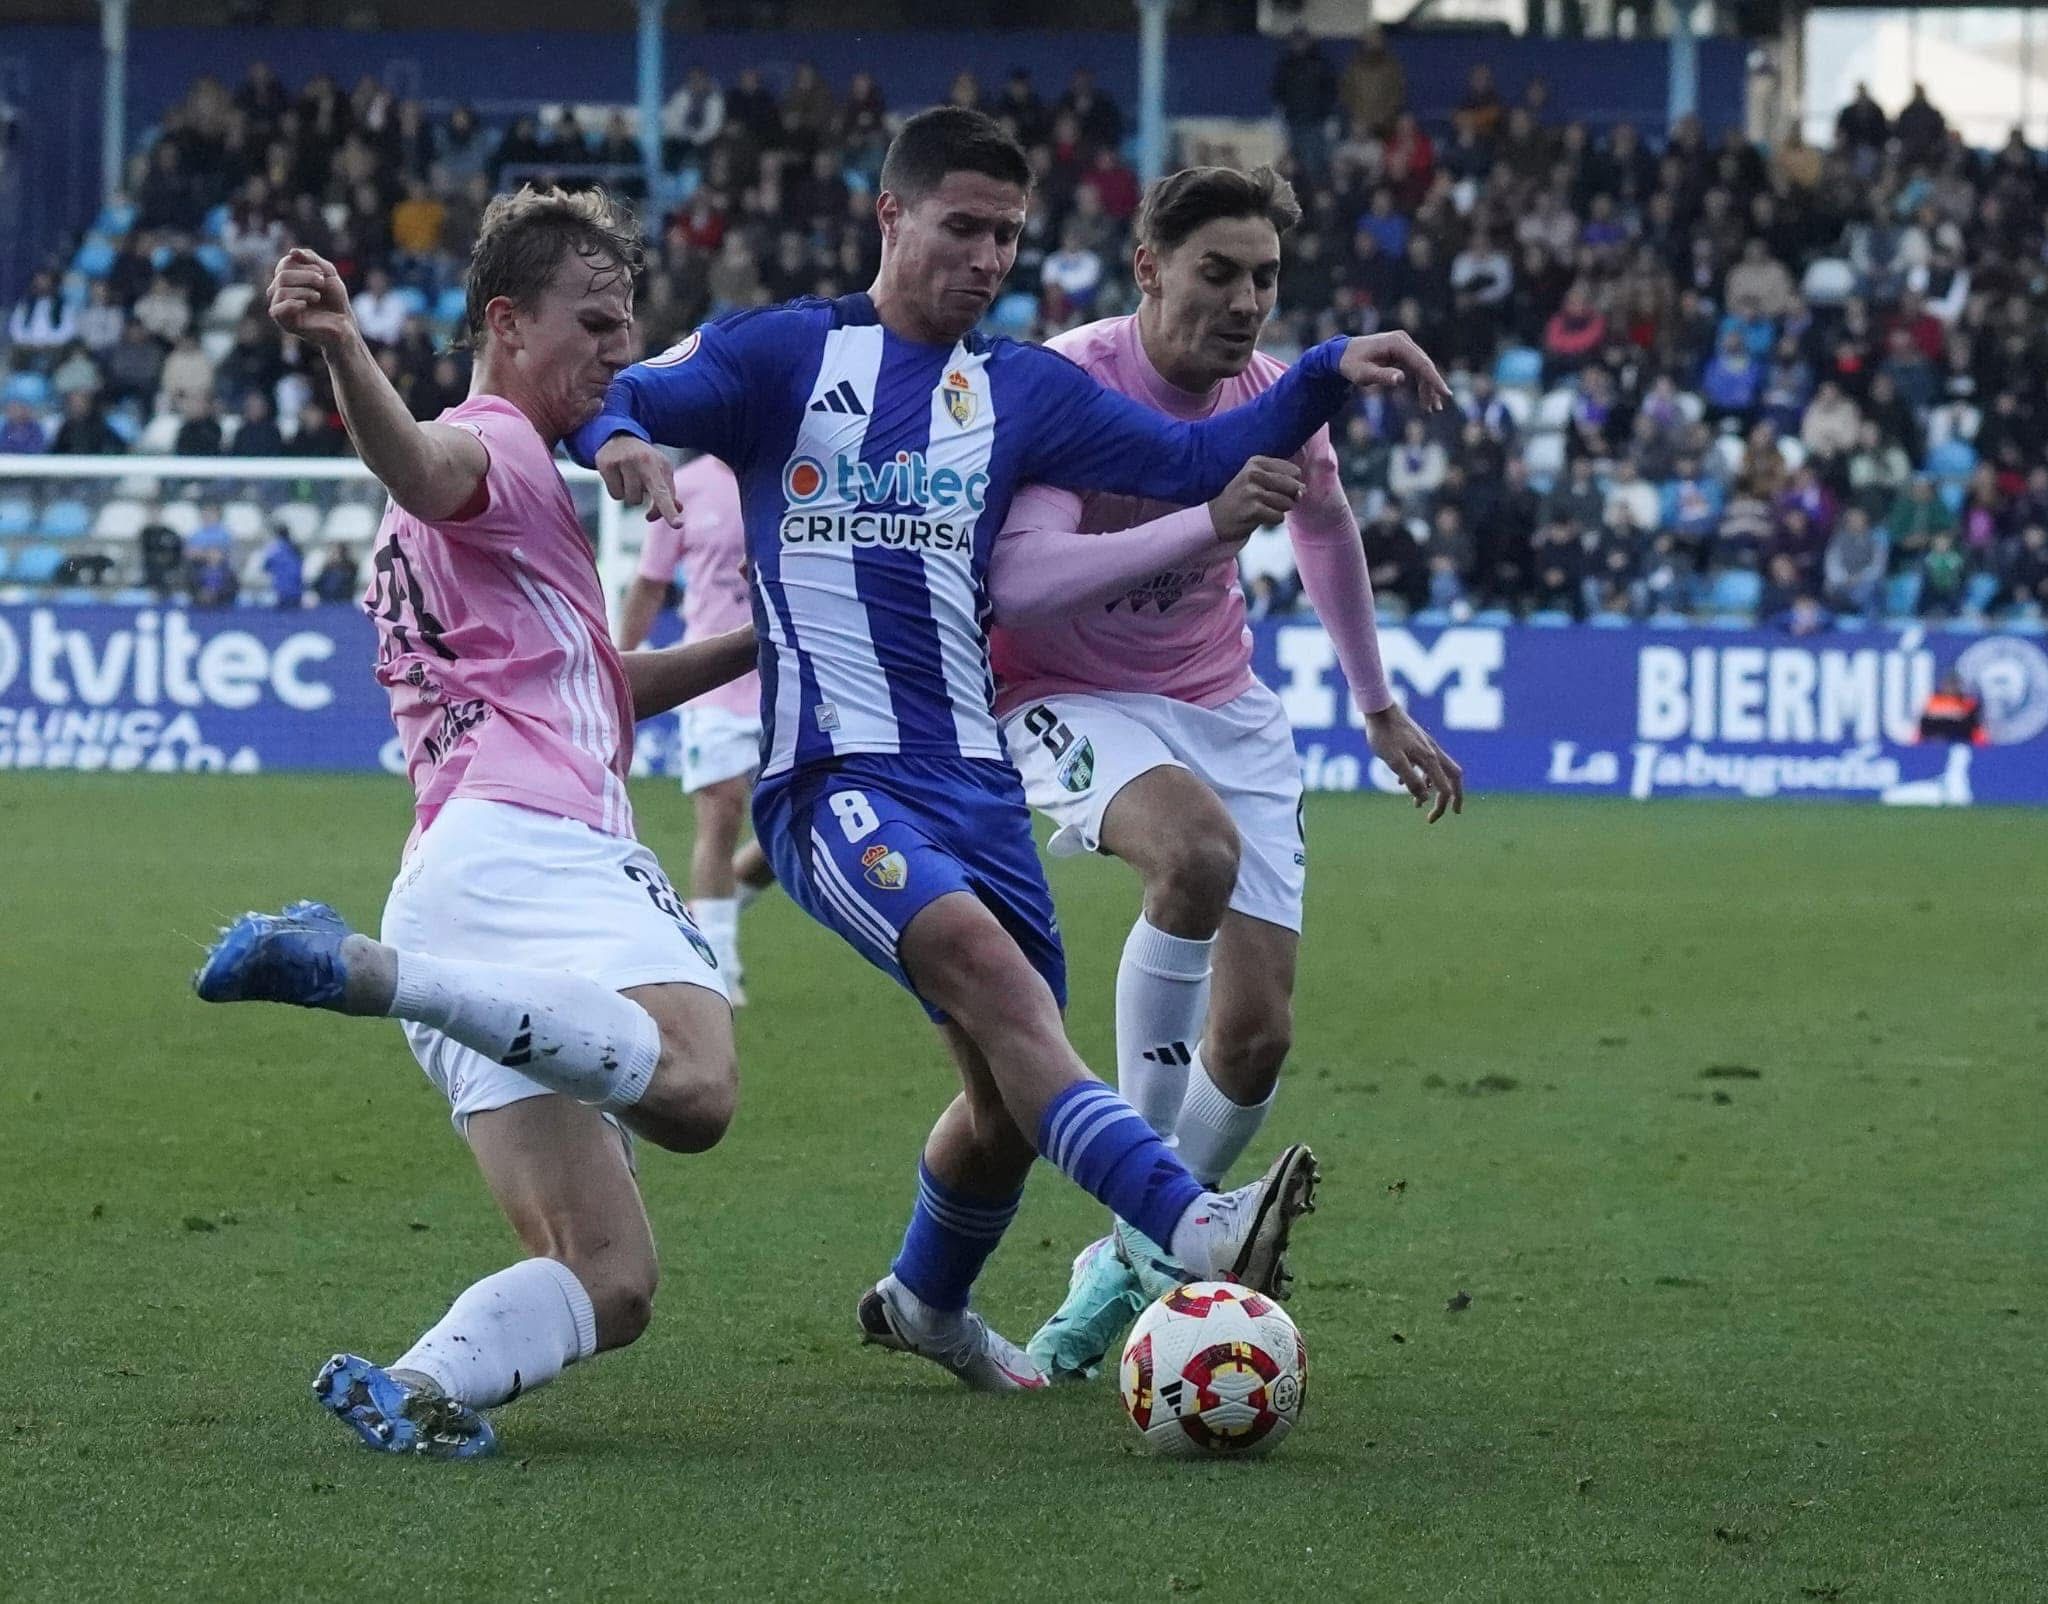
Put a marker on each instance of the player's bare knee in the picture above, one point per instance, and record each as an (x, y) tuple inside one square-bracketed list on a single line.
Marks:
[(693, 1097), (1197, 871), (1244, 1056), (624, 1306)]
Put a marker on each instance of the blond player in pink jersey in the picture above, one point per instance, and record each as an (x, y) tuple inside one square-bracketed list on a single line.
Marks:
[(721, 730), (1141, 732), (548, 979)]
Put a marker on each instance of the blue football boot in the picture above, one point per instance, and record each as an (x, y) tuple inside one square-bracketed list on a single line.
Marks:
[(293, 956), (396, 1418)]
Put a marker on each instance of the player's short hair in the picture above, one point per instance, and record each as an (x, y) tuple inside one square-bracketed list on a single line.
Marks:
[(525, 236), (951, 139), (1178, 204)]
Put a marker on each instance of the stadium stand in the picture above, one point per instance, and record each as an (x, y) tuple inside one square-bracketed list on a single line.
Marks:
[(1709, 380)]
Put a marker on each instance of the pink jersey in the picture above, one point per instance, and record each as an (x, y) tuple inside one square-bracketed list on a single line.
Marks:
[(503, 678), (711, 545), (1181, 633)]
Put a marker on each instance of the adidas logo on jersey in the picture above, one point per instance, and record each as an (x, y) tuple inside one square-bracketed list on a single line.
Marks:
[(840, 398)]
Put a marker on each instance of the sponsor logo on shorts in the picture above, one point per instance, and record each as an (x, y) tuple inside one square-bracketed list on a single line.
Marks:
[(885, 868), (1077, 768), (702, 946)]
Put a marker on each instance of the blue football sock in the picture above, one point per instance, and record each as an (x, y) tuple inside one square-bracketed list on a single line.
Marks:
[(949, 1238), (1103, 1145)]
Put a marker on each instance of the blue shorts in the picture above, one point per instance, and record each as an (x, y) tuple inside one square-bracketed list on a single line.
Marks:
[(864, 842)]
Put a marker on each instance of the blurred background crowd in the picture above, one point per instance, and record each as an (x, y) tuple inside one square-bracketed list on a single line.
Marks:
[(1794, 385)]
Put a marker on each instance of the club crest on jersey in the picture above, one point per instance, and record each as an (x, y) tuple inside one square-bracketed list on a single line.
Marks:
[(959, 396), (680, 352), (1077, 768), (885, 868)]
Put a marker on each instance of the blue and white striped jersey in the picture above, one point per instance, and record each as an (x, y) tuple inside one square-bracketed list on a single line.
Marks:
[(875, 473)]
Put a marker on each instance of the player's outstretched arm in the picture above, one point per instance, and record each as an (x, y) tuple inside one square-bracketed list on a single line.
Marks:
[(1331, 561), (1043, 567), (667, 678), (1091, 438), (432, 470), (697, 394)]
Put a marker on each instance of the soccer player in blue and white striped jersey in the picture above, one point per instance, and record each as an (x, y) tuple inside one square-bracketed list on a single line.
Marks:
[(878, 440)]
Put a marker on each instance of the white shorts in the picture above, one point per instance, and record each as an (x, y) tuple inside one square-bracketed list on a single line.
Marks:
[(508, 885), (1077, 750), (718, 745)]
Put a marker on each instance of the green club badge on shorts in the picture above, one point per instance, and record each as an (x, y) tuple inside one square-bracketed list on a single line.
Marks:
[(1077, 768)]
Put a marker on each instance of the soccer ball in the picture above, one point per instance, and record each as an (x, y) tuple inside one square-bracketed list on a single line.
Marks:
[(1214, 1368)]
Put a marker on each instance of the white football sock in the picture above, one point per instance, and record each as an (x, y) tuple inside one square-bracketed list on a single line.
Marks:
[(914, 1311), (1162, 992), (1212, 1131), (508, 1334), (1202, 1238), (571, 1034), (719, 919)]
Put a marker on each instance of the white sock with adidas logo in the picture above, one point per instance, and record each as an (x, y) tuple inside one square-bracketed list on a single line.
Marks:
[(573, 1035), (1162, 992)]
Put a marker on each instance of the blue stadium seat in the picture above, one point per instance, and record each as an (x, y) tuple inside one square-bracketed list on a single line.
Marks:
[(413, 300), (1430, 618), (31, 389), (1977, 596), (1902, 596), (160, 258), (215, 259), (95, 258), (1665, 620), (66, 519), (452, 305), (1735, 590), (115, 219), (1520, 368), (1950, 464), (215, 223), (1549, 618), (1493, 618), (37, 565), (17, 516), (1611, 621), (1013, 314)]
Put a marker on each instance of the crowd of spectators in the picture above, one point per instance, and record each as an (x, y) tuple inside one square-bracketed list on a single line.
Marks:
[(1789, 384)]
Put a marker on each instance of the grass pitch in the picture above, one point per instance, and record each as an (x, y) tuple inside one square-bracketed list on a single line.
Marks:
[(1729, 1120)]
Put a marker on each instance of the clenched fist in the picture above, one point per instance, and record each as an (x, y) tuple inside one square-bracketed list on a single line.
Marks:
[(1264, 492), (308, 299)]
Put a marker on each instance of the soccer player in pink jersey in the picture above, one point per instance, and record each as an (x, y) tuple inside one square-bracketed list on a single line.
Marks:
[(721, 730), (1141, 732), (548, 979)]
